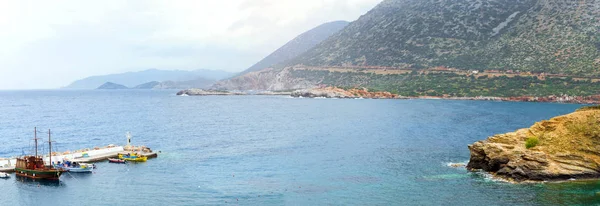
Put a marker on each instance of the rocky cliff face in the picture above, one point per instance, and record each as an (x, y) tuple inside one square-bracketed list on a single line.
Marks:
[(567, 147)]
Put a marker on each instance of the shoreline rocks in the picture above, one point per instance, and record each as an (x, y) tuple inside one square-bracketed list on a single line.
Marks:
[(334, 92), (566, 147), (201, 92)]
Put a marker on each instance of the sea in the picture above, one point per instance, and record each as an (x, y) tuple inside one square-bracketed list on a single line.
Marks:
[(272, 150)]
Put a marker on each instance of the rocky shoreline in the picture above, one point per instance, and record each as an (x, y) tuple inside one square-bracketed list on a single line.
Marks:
[(562, 148), (334, 92), (550, 99), (201, 92)]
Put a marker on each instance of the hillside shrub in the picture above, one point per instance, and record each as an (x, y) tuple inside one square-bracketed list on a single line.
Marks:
[(531, 142)]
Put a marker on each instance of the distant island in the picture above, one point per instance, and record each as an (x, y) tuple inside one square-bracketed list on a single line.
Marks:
[(158, 79), (110, 85), (562, 148)]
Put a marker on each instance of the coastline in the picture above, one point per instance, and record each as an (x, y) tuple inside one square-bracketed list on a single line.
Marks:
[(548, 99)]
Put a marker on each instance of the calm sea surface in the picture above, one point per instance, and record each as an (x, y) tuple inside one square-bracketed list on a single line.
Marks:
[(270, 150)]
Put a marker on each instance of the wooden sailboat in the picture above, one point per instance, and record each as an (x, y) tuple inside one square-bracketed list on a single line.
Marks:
[(33, 166)]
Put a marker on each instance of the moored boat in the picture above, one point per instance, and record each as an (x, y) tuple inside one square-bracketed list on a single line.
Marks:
[(4, 175), (112, 160), (33, 166), (75, 167), (132, 157)]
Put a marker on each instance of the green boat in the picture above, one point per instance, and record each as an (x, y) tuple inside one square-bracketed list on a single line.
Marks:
[(33, 166)]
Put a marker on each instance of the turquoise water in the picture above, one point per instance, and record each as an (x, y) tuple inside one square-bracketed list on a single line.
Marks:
[(272, 150)]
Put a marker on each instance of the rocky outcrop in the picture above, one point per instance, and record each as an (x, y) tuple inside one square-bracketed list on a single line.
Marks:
[(201, 92), (567, 147), (334, 92)]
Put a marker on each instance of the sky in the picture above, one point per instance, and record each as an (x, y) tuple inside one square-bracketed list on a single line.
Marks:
[(49, 44)]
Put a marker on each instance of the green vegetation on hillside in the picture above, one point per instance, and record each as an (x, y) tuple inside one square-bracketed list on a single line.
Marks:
[(452, 84), (552, 36), (531, 142)]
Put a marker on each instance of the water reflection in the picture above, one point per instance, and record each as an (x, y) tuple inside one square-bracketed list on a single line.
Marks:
[(39, 183)]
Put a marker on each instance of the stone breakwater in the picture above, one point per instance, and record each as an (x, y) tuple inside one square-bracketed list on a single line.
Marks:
[(562, 148), (334, 92)]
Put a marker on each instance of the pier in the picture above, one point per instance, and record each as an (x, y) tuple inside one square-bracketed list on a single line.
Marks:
[(97, 154), (85, 155)]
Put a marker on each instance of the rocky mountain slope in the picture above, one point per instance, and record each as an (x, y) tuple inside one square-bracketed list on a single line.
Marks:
[(561, 148), (557, 36), (299, 45), (530, 47)]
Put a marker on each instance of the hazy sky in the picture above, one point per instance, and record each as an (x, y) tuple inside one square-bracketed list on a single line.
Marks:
[(48, 44)]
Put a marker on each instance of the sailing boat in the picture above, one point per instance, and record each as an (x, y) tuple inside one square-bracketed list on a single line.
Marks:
[(33, 166)]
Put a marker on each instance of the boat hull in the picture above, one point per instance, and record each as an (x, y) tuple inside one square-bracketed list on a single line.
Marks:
[(50, 174), (4, 175), (117, 161), (87, 169), (133, 159)]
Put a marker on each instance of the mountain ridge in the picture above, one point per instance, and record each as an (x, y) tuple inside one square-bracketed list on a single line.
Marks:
[(499, 48), (132, 79), (525, 35), (298, 45)]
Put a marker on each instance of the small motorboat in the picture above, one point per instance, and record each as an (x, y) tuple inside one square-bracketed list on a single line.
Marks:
[(132, 157), (111, 160), (75, 167), (4, 175)]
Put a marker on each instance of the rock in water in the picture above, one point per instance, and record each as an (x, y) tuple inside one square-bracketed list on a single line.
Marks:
[(561, 148)]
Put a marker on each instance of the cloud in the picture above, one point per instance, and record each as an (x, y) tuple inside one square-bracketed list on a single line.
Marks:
[(48, 44)]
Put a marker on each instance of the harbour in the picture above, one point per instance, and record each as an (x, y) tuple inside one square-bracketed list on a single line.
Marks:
[(240, 147), (87, 155)]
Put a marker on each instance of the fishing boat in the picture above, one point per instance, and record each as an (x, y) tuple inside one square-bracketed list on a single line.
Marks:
[(132, 157), (112, 160), (4, 175), (75, 167), (33, 166)]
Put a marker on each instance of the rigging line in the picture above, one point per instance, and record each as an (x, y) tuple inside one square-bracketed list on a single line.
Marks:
[(73, 176)]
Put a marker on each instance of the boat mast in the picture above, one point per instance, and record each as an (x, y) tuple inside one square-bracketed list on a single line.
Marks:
[(50, 150), (35, 138)]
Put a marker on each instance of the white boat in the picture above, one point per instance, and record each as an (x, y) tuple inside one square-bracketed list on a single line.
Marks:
[(4, 175), (76, 167)]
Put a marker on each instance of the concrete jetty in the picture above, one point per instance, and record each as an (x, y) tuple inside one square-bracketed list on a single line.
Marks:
[(84, 155), (7, 165)]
